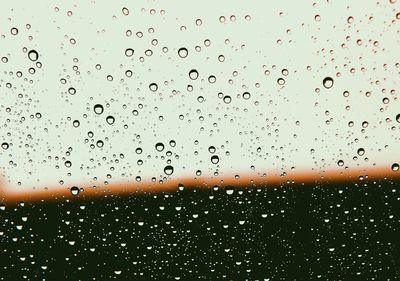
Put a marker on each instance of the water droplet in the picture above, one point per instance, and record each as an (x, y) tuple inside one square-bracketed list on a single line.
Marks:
[(340, 163), (159, 146), (168, 170), (327, 82), (211, 149), (76, 123), (398, 118), (33, 55), (5, 145), (183, 52), (98, 109), (227, 99), (246, 95), (361, 151), (153, 87), (193, 74), (14, 31), (125, 11), (74, 190), (110, 120), (100, 143), (129, 52), (395, 167), (72, 91), (214, 159), (68, 164)]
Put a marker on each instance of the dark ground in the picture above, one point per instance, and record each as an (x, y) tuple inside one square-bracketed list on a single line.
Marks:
[(330, 232)]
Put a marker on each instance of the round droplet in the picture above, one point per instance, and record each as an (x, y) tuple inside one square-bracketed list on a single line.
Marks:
[(98, 109), (172, 143), (327, 82), (246, 95), (229, 190), (74, 190), (193, 74), (68, 164), (168, 170), (211, 149), (33, 55), (110, 120), (153, 87), (398, 118), (129, 52), (100, 143), (214, 159), (340, 163), (183, 52), (159, 146), (14, 31), (5, 145), (361, 151), (76, 123), (71, 91), (395, 167), (227, 99)]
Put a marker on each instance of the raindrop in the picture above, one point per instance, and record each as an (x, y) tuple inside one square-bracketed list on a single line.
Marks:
[(159, 146), (76, 123), (125, 11), (327, 82), (193, 74), (5, 145), (14, 31), (129, 52), (98, 109), (183, 53), (153, 87), (211, 149), (340, 163), (72, 91), (100, 143), (246, 95), (33, 55), (74, 190), (395, 167), (68, 164), (110, 120), (398, 118), (227, 99), (214, 159), (168, 170), (361, 151)]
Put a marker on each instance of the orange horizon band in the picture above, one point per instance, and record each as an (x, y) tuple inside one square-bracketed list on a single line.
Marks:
[(13, 195)]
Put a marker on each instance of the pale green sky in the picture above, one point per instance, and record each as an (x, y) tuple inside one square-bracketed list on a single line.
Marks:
[(260, 131)]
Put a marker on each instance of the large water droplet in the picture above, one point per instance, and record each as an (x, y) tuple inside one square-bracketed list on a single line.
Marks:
[(183, 52), (193, 74), (327, 82), (159, 146), (74, 190), (33, 55), (98, 109), (168, 170)]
